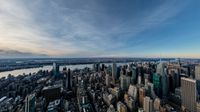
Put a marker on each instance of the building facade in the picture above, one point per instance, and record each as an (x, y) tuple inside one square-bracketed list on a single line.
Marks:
[(188, 94)]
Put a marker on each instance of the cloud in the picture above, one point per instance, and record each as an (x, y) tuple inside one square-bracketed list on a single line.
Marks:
[(72, 28), (19, 31), (18, 54)]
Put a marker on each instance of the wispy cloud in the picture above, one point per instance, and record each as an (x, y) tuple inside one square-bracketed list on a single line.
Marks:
[(18, 54), (66, 28)]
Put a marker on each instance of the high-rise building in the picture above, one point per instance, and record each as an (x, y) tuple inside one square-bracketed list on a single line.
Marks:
[(198, 106), (51, 92), (107, 79), (160, 68), (121, 107), (133, 91), (114, 72), (125, 82), (142, 94), (96, 67), (148, 104), (188, 94), (118, 72), (176, 77), (139, 80), (109, 70), (157, 84), (30, 103), (126, 97), (102, 67), (156, 105), (140, 75), (198, 90), (162, 71), (69, 79), (130, 103), (197, 72), (56, 69), (134, 76), (111, 108), (150, 90), (164, 80), (108, 98), (65, 83), (129, 70), (146, 79), (116, 92), (172, 83)]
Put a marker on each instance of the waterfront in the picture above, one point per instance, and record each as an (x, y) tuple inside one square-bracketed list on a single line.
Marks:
[(35, 70)]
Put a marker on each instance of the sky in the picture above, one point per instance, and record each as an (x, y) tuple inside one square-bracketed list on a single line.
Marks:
[(99, 28)]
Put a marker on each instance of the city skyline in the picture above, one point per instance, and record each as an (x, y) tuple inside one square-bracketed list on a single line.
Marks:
[(59, 28)]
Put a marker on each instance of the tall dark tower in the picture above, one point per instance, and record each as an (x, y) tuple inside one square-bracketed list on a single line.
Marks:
[(65, 77), (102, 67), (179, 63), (56, 70), (69, 79)]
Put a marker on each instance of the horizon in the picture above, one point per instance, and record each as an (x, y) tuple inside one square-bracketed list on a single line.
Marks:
[(93, 29), (43, 58)]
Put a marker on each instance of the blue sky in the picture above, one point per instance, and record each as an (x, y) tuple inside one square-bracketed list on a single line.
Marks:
[(99, 28)]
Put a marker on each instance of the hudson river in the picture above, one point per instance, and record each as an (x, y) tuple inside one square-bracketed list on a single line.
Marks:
[(35, 70)]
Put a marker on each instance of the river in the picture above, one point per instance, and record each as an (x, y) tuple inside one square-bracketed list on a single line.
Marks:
[(34, 70)]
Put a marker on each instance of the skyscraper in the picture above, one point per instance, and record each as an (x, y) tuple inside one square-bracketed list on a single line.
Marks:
[(188, 94), (157, 84), (116, 92), (133, 91), (114, 72), (176, 77), (164, 80), (150, 90), (156, 104), (102, 67), (134, 76), (197, 72), (131, 104), (171, 83), (160, 68), (142, 94), (56, 69), (121, 107), (96, 67), (65, 82), (148, 104), (141, 75), (30, 103), (124, 82), (111, 108), (198, 106), (107, 79), (162, 71), (146, 79), (69, 79), (139, 80), (197, 77), (198, 90)]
